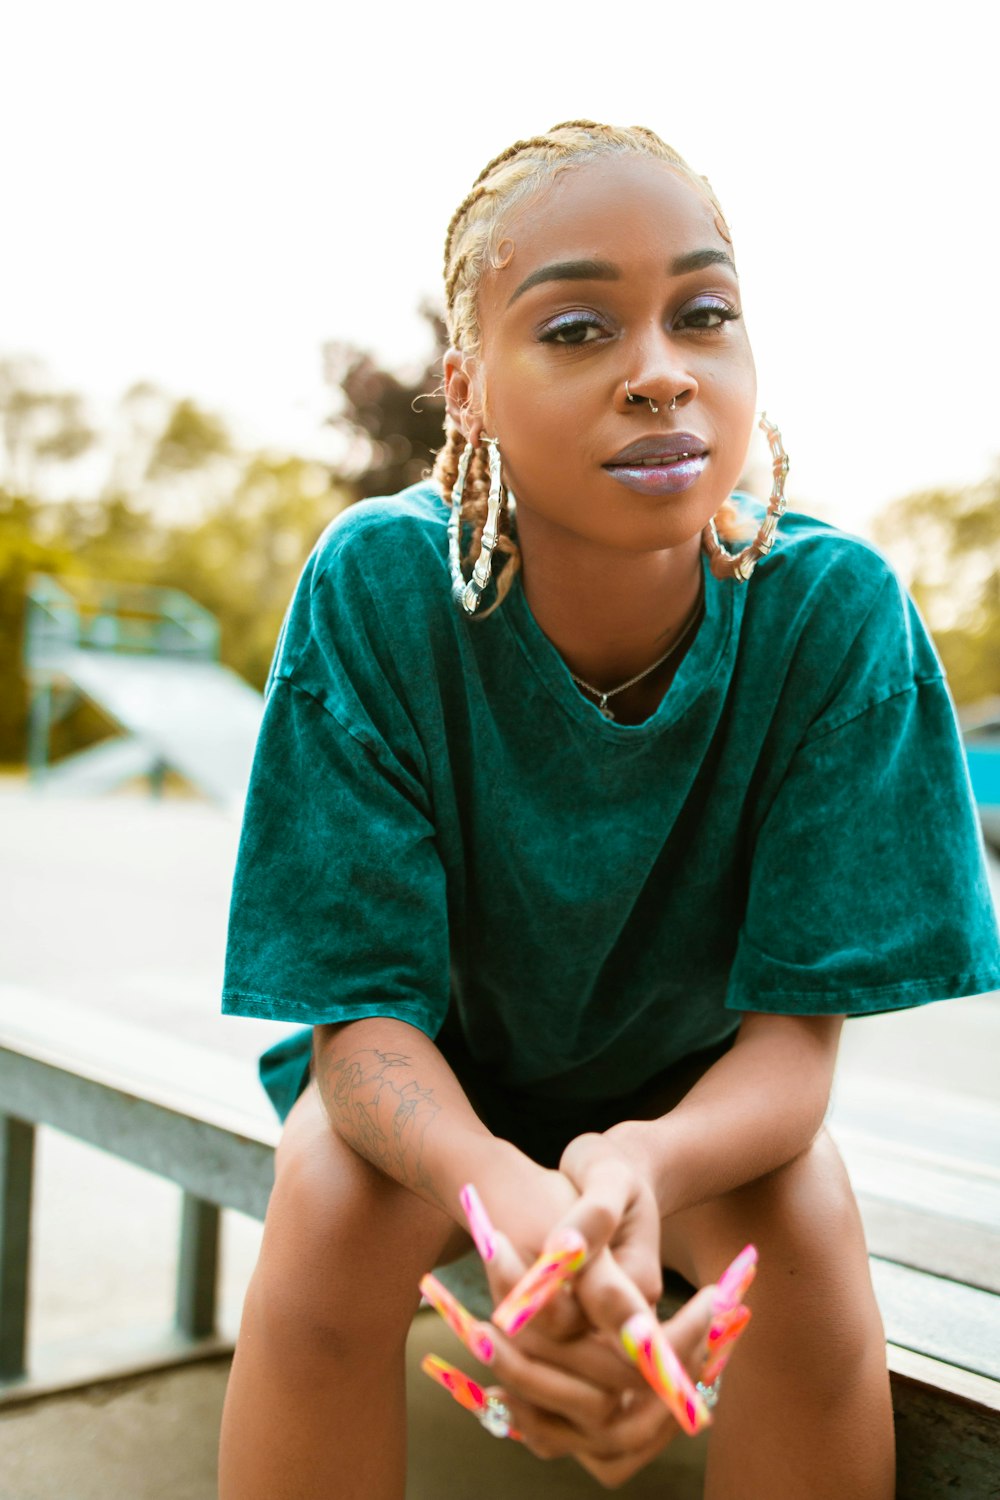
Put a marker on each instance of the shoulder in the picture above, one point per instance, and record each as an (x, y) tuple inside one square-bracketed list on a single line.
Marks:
[(811, 556), (372, 594), (410, 528), (831, 606)]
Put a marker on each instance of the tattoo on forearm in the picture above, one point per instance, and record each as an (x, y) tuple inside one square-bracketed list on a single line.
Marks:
[(382, 1111)]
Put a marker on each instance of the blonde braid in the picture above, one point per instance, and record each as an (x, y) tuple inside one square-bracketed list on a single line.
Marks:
[(471, 247)]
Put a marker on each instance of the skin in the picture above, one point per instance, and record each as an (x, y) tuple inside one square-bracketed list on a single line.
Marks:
[(376, 1149), (610, 575)]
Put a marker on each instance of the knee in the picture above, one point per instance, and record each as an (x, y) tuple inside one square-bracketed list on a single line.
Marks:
[(343, 1250), (813, 1285), (807, 1209)]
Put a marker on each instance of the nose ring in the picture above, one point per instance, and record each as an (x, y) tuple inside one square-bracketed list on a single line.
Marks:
[(652, 405)]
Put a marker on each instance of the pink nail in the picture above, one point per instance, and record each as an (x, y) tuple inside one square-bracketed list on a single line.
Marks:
[(479, 1222), (648, 1347), (473, 1335), (735, 1279), (727, 1326), (541, 1281)]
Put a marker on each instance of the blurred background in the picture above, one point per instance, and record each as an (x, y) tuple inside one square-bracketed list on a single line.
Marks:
[(219, 302)]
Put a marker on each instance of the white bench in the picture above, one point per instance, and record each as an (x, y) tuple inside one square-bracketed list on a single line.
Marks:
[(200, 1119)]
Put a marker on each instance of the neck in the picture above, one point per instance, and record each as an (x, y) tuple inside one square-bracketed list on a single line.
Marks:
[(610, 614)]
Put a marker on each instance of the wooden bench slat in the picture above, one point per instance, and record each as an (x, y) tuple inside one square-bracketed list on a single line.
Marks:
[(927, 1242), (943, 1319), (933, 1124), (964, 1194)]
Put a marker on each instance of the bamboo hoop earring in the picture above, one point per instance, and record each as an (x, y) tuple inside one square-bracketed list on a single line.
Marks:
[(740, 566), (469, 594)]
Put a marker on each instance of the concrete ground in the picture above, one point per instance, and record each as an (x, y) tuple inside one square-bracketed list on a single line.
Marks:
[(155, 1439), (118, 906)]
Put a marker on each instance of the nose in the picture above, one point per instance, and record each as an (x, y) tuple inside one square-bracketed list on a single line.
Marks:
[(657, 372)]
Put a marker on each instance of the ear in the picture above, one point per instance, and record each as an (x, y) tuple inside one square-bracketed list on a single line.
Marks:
[(462, 383)]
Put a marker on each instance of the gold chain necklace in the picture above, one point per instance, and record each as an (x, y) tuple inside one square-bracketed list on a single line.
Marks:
[(602, 706)]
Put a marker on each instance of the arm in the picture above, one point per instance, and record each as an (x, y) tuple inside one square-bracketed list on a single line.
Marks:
[(755, 1109), (392, 1097)]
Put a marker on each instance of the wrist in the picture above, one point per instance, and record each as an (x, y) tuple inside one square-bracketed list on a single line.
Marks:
[(499, 1171), (650, 1147)]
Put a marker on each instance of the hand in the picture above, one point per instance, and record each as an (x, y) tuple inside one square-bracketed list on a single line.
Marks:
[(611, 1434), (568, 1385), (618, 1216), (560, 1336), (613, 1429)]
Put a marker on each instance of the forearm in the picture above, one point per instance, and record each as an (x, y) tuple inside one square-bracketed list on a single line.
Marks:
[(390, 1094), (756, 1108)]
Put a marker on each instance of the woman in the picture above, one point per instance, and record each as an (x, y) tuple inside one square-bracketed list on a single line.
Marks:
[(574, 863)]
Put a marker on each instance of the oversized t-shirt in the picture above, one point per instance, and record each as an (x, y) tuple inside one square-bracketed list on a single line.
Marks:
[(442, 828)]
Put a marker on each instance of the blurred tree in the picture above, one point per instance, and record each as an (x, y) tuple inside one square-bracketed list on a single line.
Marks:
[(392, 424), (242, 561), (190, 440), (237, 551), (41, 427), (946, 544), (23, 551)]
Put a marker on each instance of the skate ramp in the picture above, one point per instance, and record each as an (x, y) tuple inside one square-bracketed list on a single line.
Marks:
[(196, 717)]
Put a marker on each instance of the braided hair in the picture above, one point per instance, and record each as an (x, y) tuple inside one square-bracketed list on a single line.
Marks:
[(475, 243)]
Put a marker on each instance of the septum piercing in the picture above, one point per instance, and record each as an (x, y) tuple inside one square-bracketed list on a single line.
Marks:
[(652, 405)]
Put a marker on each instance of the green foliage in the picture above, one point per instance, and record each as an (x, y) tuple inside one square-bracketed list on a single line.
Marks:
[(22, 552), (238, 555), (39, 426), (191, 438), (393, 425), (946, 544)]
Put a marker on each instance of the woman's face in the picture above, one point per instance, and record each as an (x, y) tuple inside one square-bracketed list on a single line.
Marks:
[(616, 272)]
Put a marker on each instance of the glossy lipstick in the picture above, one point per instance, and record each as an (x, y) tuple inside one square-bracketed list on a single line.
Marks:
[(663, 464)]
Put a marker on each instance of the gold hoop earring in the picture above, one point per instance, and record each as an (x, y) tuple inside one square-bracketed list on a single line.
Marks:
[(741, 566), (468, 594)]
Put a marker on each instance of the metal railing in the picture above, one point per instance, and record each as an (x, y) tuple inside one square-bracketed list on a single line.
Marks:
[(90, 615)]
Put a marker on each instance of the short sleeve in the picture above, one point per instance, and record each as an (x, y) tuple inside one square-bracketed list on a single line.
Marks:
[(868, 888), (338, 907)]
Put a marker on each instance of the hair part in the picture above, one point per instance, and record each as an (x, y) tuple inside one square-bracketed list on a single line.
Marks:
[(475, 243)]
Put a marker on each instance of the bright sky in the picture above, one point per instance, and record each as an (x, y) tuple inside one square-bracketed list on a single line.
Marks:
[(201, 194)]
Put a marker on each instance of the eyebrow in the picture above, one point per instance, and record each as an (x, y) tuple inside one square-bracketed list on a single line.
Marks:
[(605, 270)]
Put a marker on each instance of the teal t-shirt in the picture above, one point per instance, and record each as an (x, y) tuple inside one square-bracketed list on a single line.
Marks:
[(442, 828)]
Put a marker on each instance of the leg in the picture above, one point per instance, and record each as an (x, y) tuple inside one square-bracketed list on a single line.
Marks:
[(316, 1403), (805, 1410)]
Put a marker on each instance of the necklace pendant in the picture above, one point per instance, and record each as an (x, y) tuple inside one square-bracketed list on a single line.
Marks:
[(604, 710)]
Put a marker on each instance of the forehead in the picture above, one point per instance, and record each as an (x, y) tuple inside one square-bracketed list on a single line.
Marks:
[(636, 211)]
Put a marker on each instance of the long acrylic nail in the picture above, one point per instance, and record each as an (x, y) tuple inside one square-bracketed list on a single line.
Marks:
[(735, 1279), (480, 1226), (466, 1392), (727, 1326), (541, 1281), (719, 1352), (648, 1348), (459, 1319)]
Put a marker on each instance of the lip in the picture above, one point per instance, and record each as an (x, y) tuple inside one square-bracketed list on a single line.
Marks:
[(659, 445), (659, 479)]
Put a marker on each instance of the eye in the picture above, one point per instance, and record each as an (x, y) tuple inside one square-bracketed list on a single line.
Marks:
[(573, 328), (707, 316)]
